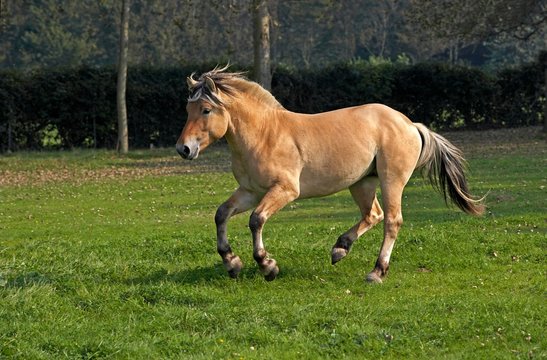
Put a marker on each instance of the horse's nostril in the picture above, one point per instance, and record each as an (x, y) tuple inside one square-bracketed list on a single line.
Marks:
[(185, 151)]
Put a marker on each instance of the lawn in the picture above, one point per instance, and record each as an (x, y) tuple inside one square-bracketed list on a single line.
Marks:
[(103, 256)]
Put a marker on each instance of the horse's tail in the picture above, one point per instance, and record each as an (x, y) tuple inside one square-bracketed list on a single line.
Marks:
[(444, 165)]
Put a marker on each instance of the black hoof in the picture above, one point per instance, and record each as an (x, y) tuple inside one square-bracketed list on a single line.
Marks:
[(234, 273), (338, 254), (272, 275)]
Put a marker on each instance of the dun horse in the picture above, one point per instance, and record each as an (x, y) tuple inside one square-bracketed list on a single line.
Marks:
[(279, 156)]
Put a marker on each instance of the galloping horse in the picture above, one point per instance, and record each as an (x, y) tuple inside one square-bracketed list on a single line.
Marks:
[(279, 156)]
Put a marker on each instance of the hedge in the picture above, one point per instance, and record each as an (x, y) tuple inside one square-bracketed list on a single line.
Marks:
[(65, 108)]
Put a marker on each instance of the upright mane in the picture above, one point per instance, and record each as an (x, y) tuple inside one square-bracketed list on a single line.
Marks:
[(213, 86)]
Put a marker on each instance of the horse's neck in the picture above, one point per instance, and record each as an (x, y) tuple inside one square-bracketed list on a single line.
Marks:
[(250, 124)]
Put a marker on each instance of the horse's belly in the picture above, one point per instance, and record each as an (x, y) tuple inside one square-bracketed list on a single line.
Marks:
[(326, 180)]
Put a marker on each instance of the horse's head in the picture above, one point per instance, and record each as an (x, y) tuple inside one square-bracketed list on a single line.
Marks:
[(207, 118)]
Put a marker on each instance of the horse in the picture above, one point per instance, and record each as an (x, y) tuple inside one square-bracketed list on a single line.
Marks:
[(279, 156)]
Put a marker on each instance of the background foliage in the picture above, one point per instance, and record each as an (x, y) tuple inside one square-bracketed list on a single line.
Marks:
[(304, 34), (75, 107)]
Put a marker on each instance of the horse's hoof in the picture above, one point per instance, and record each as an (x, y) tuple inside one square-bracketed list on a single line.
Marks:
[(233, 273), (338, 254), (233, 266), (374, 278), (270, 270)]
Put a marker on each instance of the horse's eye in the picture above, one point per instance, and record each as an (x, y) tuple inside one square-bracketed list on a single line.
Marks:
[(206, 111)]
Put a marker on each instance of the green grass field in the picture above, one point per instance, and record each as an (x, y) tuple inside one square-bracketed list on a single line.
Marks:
[(104, 256)]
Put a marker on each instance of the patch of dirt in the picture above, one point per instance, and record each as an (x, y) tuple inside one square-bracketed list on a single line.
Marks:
[(134, 170), (487, 142), (473, 143)]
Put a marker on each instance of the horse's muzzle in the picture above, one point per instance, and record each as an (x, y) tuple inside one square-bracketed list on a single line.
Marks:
[(186, 152)]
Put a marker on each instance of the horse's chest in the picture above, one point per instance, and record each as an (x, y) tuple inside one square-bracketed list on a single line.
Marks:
[(251, 177)]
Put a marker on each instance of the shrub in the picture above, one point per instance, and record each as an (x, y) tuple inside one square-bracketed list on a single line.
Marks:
[(76, 107), (445, 97), (520, 96)]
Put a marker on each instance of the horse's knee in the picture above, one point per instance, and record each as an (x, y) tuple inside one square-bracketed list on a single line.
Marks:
[(221, 217), (394, 221), (222, 214), (256, 222)]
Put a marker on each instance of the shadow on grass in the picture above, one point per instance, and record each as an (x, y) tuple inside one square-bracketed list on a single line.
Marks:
[(195, 275), (27, 280), (214, 273)]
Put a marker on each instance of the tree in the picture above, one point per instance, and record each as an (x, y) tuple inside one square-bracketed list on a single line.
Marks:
[(2, 16), (261, 43), (123, 134), (543, 63), (311, 33), (454, 24), (55, 34)]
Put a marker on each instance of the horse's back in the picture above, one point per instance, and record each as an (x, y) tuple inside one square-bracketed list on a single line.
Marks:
[(370, 127), (338, 148)]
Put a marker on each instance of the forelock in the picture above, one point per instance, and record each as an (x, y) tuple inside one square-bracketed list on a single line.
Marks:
[(202, 92), (223, 83)]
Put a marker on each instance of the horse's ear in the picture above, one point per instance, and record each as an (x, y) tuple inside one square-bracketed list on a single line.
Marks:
[(210, 84), (191, 82)]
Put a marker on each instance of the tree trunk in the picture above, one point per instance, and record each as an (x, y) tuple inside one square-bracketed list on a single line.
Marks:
[(261, 43), (545, 101), (123, 134), (543, 60), (10, 144)]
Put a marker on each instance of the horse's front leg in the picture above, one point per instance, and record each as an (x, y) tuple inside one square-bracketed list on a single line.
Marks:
[(240, 201), (275, 199)]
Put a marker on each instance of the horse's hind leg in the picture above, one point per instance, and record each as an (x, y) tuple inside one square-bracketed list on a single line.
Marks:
[(364, 194), (391, 198), (395, 164), (392, 183), (240, 201)]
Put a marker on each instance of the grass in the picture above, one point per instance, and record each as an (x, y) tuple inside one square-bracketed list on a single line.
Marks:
[(114, 257)]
